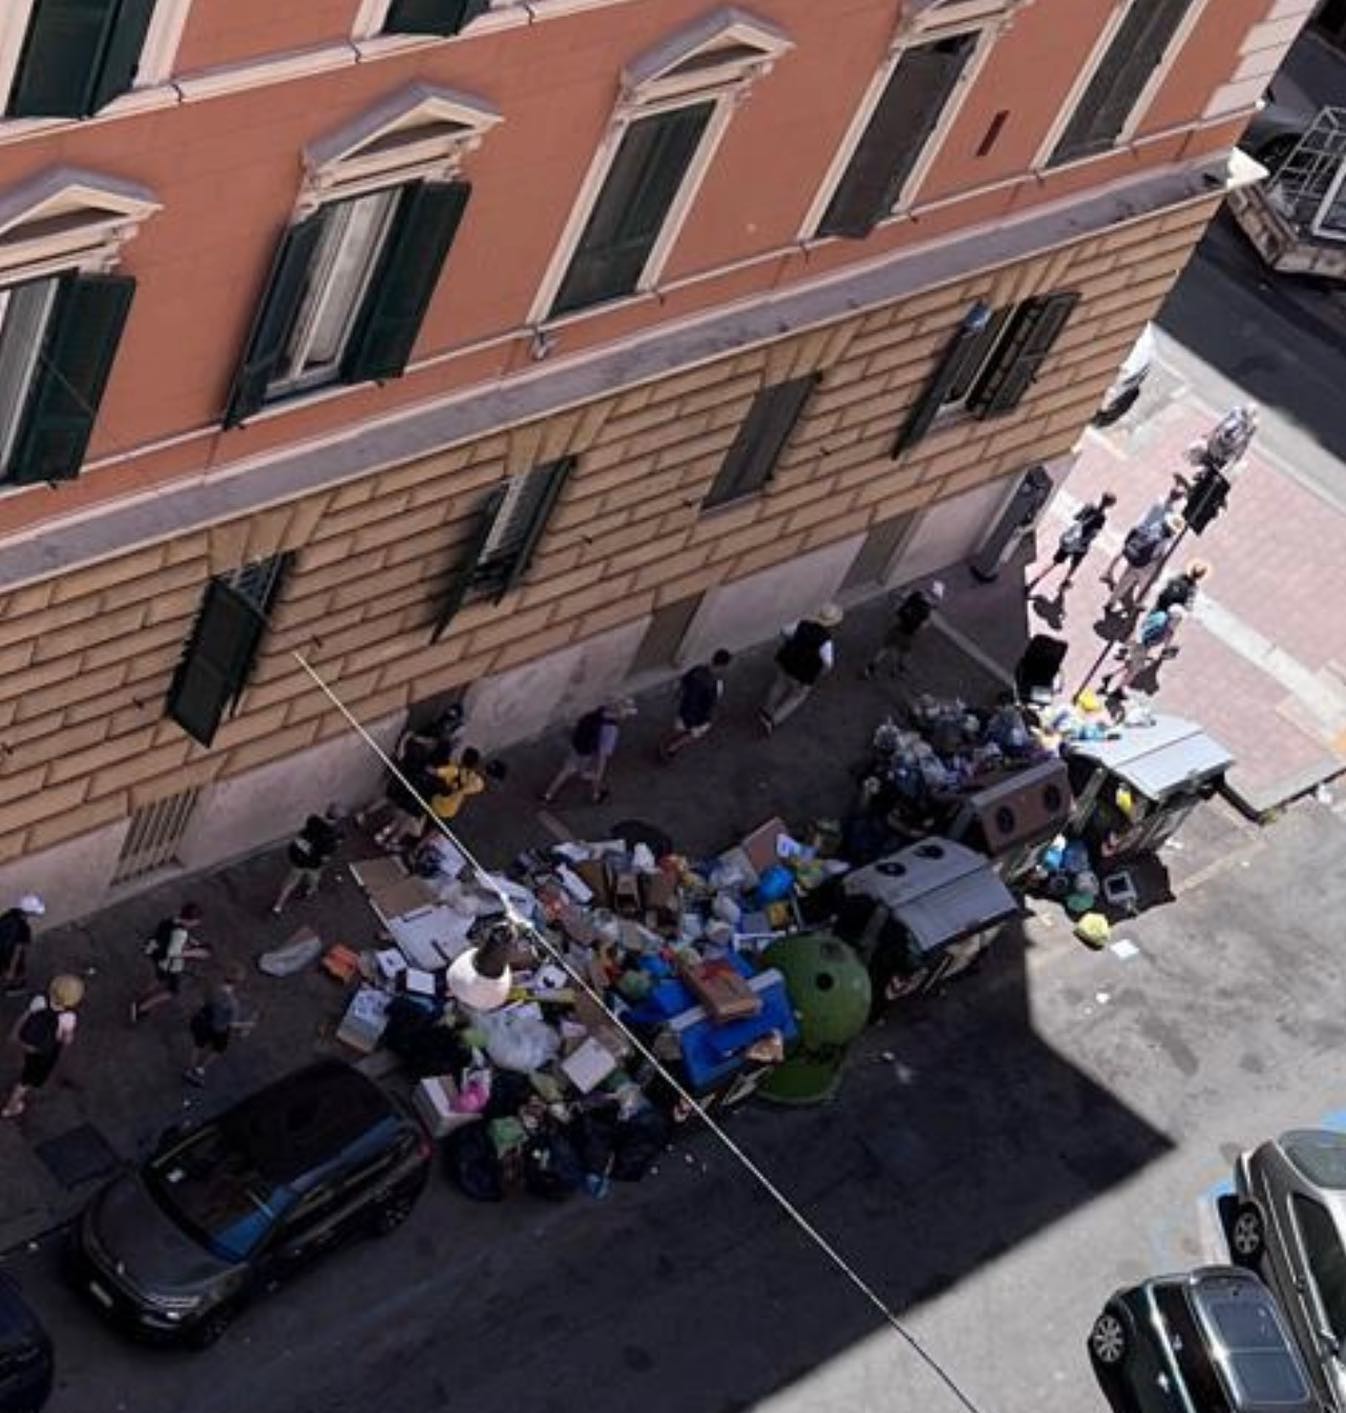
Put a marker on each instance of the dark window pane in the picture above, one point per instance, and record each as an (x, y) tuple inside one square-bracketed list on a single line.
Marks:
[(896, 135), (432, 16), (1020, 354), (125, 44), (78, 55), (761, 439), (1136, 51), (1327, 1260), (624, 225)]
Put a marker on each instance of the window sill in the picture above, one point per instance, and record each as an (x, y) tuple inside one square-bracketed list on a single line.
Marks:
[(139, 100)]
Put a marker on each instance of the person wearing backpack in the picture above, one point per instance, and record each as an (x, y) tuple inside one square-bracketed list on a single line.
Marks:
[(804, 658), (699, 691), (1143, 550), (308, 854), (1076, 541), (593, 743), (43, 1032), (169, 948), (1152, 644)]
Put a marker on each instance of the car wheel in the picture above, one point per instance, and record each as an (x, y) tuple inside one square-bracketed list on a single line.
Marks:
[(1107, 1340), (211, 1327), (392, 1212), (1272, 154), (1247, 1236)]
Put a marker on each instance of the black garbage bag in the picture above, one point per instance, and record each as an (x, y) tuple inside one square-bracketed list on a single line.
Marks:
[(594, 1137), (471, 1164), (509, 1093), (639, 1141), (551, 1165)]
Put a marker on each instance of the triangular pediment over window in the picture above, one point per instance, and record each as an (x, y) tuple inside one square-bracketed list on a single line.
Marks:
[(725, 48), (417, 130), (71, 217), (936, 14)]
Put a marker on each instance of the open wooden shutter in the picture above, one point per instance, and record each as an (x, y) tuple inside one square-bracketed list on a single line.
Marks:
[(61, 56), (460, 582), (81, 343), (553, 478), (121, 58), (1137, 49), (216, 661), (950, 367), (752, 458), (1027, 343), (915, 96), (640, 187), (275, 318), (432, 16), (413, 256)]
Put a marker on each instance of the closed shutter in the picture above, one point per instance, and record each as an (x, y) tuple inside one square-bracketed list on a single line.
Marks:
[(216, 662), (640, 187), (964, 345), (460, 582), (552, 478), (911, 105), (275, 318), (432, 16), (125, 44), (81, 343), (413, 256), (1136, 51), (1027, 343), (761, 439)]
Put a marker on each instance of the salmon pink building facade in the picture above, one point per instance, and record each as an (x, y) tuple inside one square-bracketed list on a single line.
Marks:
[(523, 351)]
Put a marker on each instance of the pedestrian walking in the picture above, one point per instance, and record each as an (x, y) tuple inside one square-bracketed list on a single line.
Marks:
[(593, 743), (804, 658), (309, 852), (43, 1032), (169, 948), (16, 936), (699, 693), (1182, 589), (215, 1023), (1076, 541), (1171, 503), (913, 613), (1143, 550), (1152, 644)]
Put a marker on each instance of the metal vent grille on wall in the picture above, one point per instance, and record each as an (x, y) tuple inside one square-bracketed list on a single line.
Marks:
[(153, 838)]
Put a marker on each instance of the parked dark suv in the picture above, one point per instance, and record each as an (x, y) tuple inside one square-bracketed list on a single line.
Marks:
[(25, 1354), (175, 1249), (1208, 1341)]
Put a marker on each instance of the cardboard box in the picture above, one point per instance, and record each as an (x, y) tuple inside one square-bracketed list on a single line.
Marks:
[(433, 1101), (588, 1065), (760, 845), (365, 1020), (722, 991)]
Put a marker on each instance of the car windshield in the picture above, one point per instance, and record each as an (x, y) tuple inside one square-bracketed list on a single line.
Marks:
[(1261, 1367), (209, 1186), (1320, 1156)]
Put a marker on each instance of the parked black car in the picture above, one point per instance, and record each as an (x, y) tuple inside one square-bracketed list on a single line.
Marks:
[(25, 1354), (174, 1250), (1207, 1340)]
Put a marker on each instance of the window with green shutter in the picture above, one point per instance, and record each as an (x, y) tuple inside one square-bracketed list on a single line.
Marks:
[(1137, 49), (909, 109), (752, 458), (505, 535), (348, 292), (219, 655), (58, 341), (432, 16), (989, 364), (77, 56), (628, 217)]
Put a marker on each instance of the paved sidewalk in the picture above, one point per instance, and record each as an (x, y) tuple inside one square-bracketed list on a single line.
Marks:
[(127, 1083)]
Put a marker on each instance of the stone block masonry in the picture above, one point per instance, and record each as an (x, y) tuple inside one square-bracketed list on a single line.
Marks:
[(86, 657)]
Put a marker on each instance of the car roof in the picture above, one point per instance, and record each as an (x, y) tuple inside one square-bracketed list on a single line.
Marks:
[(1319, 1154), (308, 1119)]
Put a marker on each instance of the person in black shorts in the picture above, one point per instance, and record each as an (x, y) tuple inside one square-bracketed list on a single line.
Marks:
[(214, 1024), (1075, 542), (170, 948), (43, 1032)]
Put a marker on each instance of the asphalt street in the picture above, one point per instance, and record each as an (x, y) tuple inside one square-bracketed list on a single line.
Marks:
[(999, 1159)]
